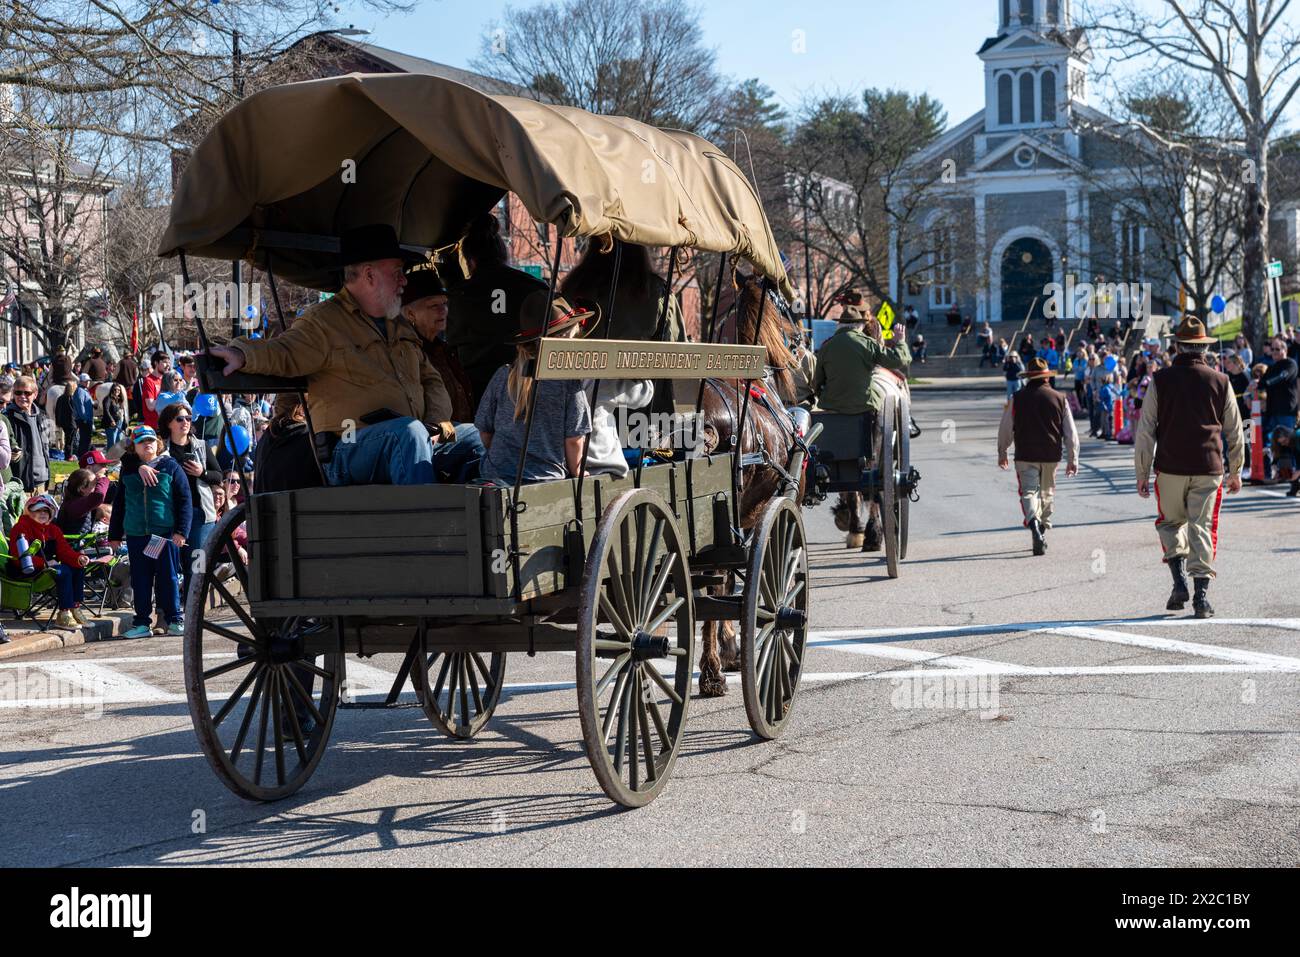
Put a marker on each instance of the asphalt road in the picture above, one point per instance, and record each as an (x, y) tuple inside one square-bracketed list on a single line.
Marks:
[(1102, 730)]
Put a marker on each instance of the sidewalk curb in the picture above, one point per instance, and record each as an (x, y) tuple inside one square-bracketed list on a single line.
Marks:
[(113, 624)]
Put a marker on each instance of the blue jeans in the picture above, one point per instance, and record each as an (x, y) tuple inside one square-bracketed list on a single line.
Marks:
[(199, 532), (150, 573), (398, 452), (457, 462), (111, 434), (70, 583), (1013, 386)]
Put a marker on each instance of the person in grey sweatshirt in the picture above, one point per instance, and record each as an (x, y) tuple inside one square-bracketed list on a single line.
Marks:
[(605, 454)]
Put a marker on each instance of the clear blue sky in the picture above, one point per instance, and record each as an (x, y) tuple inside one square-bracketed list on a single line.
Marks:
[(850, 46)]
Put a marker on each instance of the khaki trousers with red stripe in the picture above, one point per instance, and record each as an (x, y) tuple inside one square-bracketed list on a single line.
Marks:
[(1188, 520), (1037, 490)]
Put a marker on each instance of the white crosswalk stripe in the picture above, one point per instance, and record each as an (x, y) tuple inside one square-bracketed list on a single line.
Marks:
[(109, 681)]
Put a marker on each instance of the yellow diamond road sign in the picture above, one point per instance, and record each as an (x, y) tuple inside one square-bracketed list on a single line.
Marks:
[(886, 319)]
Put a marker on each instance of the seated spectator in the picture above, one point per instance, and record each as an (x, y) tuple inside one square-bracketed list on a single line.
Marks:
[(365, 370), (919, 348), (284, 459), (83, 492), (562, 416), (37, 525)]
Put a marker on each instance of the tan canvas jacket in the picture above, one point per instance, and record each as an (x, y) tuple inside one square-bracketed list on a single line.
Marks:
[(351, 370)]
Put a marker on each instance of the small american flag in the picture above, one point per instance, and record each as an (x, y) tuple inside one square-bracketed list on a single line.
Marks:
[(7, 300)]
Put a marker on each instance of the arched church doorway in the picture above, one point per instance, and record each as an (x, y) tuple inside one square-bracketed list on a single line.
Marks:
[(1026, 271)]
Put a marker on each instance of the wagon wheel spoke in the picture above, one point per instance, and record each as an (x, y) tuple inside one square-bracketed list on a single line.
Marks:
[(234, 636), (294, 726), (615, 619), (453, 676), (261, 730), (657, 588), (296, 687), (237, 563), (488, 683), (624, 707), (647, 749), (464, 691), (615, 700), (436, 694), (228, 667), (237, 694), (238, 609), (277, 718), (660, 729), (664, 615), (616, 592), (248, 717), (648, 569), (625, 565), (613, 672), (639, 545), (310, 665), (662, 682)]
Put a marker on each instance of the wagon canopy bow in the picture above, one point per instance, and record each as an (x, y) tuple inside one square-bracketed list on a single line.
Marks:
[(429, 155)]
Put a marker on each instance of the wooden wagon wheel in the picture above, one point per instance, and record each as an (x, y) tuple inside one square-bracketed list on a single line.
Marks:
[(466, 689), (263, 713), (774, 619), (636, 583), (903, 429), (889, 493)]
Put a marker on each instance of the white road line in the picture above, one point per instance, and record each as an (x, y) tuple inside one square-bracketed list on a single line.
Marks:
[(895, 653), (1265, 662), (101, 684)]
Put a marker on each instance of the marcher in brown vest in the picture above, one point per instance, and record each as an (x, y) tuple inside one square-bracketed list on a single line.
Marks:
[(1038, 422), (1188, 413)]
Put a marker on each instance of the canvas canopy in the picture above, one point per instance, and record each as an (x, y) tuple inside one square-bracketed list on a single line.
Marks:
[(427, 154)]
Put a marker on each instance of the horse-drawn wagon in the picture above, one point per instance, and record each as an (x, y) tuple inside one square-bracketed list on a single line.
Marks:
[(617, 571)]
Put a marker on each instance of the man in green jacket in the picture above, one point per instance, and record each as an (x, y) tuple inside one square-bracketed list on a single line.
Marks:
[(844, 383), (846, 361)]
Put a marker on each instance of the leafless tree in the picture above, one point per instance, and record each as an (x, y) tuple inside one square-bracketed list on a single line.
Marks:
[(645, 59), (1251, 50)]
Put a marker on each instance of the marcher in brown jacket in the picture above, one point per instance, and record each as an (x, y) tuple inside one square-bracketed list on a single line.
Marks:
[(1037, 420), (1188, 413), (369, 383)]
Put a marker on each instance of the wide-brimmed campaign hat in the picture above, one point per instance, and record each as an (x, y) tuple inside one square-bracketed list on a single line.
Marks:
[(1192, 331), (1037, 369), (367, 244), (854, 307), (533, 323), (420, 284)]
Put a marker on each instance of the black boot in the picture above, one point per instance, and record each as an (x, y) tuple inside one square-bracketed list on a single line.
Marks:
[(1294, 490), (1039, 537), (1200, 602), (1178, 597)]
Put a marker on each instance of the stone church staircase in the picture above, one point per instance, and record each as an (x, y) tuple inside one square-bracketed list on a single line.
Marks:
[(965, 361)]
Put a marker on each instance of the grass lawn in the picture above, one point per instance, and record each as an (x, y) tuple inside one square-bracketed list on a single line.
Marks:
[(1228, 330), (59, 471)]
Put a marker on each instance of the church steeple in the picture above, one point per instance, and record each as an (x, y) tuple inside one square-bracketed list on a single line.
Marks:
[(1040, 15)]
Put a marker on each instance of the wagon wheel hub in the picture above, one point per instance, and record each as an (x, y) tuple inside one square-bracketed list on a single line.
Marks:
[(285, 648), (790, 619), (646, 646)]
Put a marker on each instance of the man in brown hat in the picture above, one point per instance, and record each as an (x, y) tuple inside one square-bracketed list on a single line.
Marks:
[(1038, 422), (1188, 412), (376, 402), (843, 383)]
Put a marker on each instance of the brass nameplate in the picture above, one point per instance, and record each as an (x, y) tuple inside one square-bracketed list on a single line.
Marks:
[(622, 359)]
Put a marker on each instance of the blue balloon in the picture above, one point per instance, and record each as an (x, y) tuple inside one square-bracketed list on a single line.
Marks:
[(1217, 304), (1111, 363), (205, 405), (240, 436)]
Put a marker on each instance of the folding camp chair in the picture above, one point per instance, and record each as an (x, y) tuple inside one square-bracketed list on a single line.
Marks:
[(27, 596)]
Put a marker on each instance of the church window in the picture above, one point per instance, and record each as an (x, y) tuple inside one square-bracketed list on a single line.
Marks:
[(1006, 13), (1130, 250), (1026, 12), (1027, 98), (1006, 102), (1048, 81), (942, 268), (1054, 11)]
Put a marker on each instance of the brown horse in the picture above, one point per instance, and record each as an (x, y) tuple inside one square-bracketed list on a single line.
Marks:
[(758, 321)]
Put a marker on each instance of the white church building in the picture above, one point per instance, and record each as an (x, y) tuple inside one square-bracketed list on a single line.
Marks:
[(1025, 201)]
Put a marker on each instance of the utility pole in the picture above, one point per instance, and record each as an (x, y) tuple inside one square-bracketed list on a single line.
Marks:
[(237, 276)]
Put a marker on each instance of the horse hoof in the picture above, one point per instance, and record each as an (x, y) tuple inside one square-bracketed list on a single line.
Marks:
[(731, 665), (854, 540), (713, 687)]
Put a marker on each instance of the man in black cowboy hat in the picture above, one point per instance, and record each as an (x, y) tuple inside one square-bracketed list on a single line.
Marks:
[(1188, 412), (1038, 422), (376, 402)]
